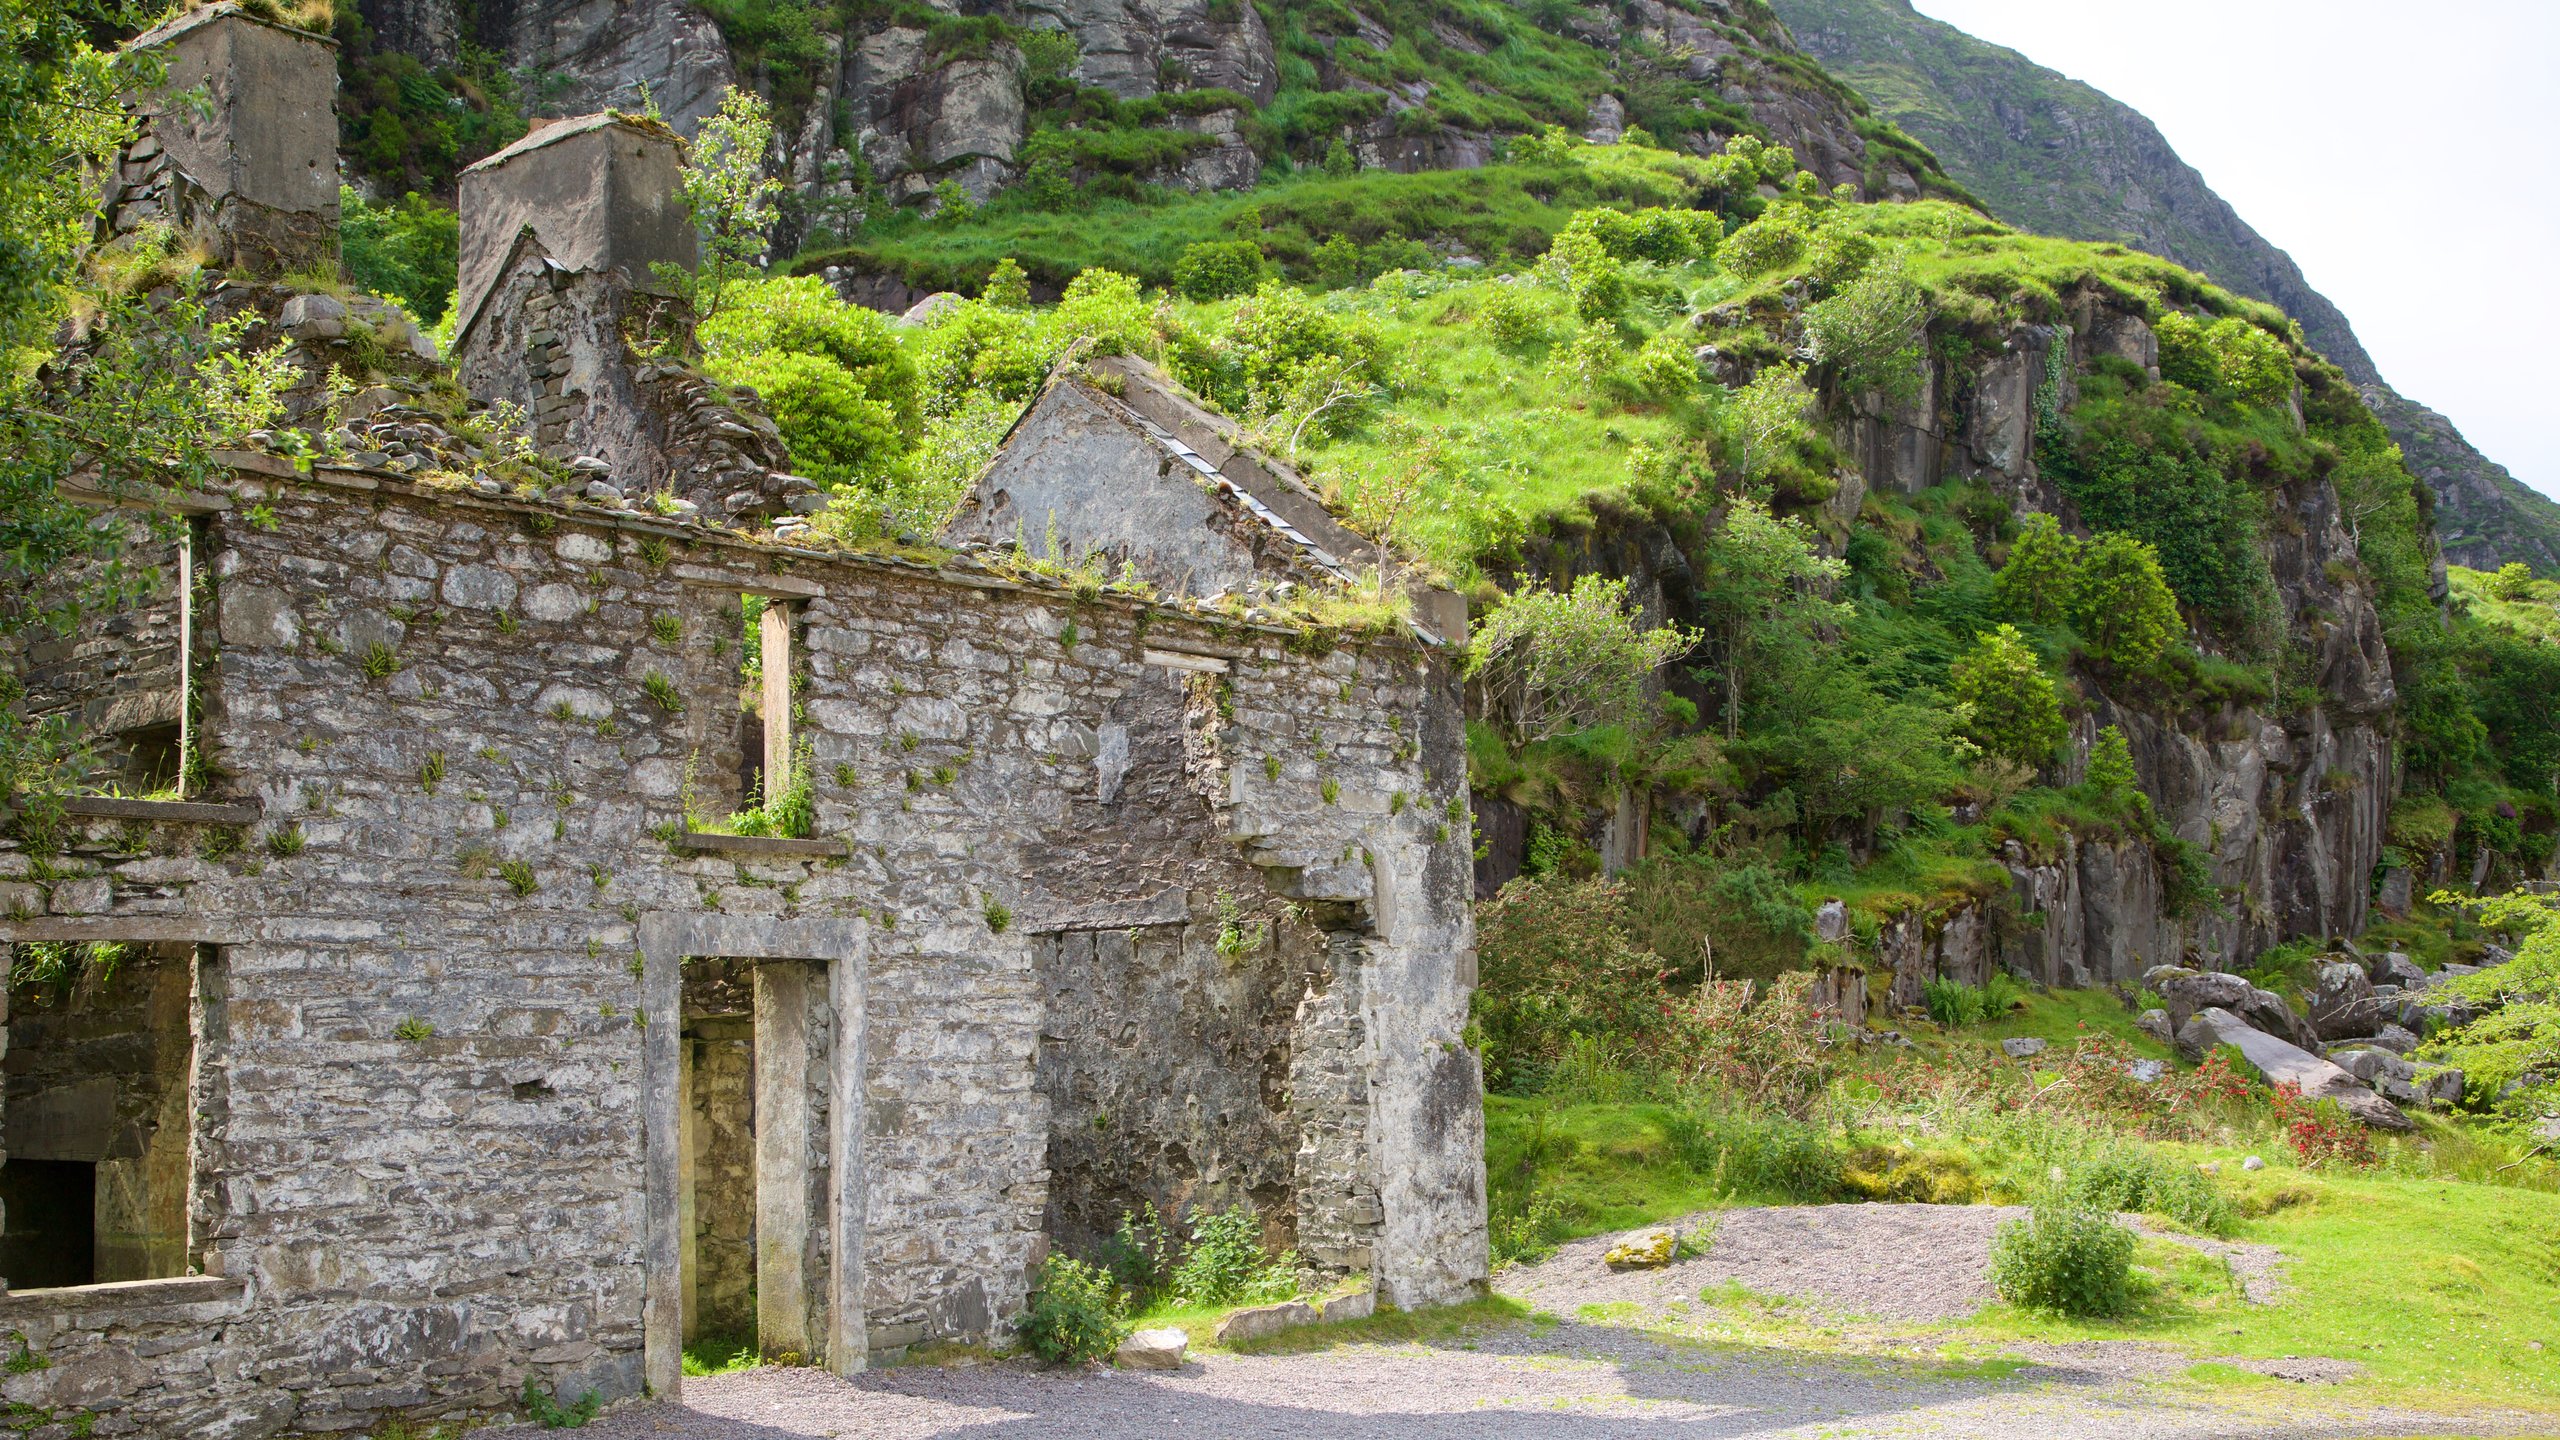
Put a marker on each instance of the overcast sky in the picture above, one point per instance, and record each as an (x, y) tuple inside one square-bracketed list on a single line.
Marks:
[(2408, 157)]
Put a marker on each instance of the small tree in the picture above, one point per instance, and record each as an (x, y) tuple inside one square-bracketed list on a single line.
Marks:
[(2006, 700), (1580, 264), (1554, 663), (1764, 578), (2512, 581), (1007, 286), (2121, 603), (1766, 416), (1218, 269), (730, 196), (2035, 585), (2110, 777), (1869, 333)]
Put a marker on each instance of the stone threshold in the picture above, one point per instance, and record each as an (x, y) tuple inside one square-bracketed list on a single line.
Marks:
[(176, 812), (67, 1300), (707, 842)]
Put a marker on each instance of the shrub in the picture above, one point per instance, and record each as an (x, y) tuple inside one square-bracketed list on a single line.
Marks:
[(1580, 265), (2110, 779), (2035, 583), (1745, 1153), (2228, 357), (1953, 1003), (2512, 581), (1509, 316), (1218, 269), (1225, 1263), (1772, 242), (1556, 663), (2065, 1260), (1074, 1314), (2125, 1178), (409, 250), (2121, 604), (833, 375), (1556, 963), (1869, 333), (2005, 699), (1006, 285), (1665, 366)]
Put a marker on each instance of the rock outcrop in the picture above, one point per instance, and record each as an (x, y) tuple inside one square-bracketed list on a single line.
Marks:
[(2055, 156), (2285, 1064)]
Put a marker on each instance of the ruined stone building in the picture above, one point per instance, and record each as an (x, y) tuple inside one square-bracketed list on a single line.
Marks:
[(426, 1044)]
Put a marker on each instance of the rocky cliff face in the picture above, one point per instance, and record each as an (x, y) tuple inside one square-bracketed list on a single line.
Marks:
[(914, 106), (2052, 155), (2288, 802)]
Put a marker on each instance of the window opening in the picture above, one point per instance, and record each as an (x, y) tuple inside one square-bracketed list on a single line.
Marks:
[(101, 1098)]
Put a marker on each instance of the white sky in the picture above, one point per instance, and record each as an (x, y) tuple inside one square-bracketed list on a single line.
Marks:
[(2408, 157)]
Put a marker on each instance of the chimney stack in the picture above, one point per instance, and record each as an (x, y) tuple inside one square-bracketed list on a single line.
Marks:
[(560, 234), (239, 144)]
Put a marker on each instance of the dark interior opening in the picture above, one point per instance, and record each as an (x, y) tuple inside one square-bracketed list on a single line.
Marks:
[(158, 753), (51, 1212)]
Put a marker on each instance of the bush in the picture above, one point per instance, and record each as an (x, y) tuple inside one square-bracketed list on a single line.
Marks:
[(1225, 1263), (2125, 1178), (2006, 701), (1552, 664), (1772, 242), (2065, 1260), (1218, 269), (2035, 583), (2229, 357), (408, 251), (839, 385), (1953, 1003), (1075, 1313), (1509, 316), (1869, 333), (1556, 963), (1749, 1154), (2512, 581), (2121, 604)]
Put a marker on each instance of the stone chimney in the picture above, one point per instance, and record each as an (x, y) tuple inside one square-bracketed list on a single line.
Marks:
[(238, 149), (561, 234)]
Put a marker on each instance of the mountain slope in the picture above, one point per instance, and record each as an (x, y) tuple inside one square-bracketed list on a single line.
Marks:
[(2056, 156)]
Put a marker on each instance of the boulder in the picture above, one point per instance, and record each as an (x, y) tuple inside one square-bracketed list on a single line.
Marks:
[(2398, 1039), (2284, 1063), (1359, 1305), (2371, 1065), (2188, 992), (1649, 1251), (2442, 1087), (2022, 1047), (1162, 1349), (1257, 1322), (2155, 1023), (2343, 1004), (2395, 968)]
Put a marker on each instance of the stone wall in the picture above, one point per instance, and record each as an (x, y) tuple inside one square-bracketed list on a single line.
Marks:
[(120, 678), (470, 725)]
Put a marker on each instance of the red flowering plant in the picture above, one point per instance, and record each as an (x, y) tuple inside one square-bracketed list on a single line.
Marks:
[(2321, 1132)]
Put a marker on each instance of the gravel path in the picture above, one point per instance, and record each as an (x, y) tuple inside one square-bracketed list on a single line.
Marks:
[(1890, 1262), (1568, 1379)]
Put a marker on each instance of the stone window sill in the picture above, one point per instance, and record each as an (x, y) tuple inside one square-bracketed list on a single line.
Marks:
[(176, 812), (20, 1305), (704, 842)]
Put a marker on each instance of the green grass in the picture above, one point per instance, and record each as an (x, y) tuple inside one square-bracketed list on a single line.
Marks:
[(2438, 1288), (1501, 213), (721, 1355)]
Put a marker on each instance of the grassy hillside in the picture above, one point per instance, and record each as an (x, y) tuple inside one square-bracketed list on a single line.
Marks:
[(2058, 157)]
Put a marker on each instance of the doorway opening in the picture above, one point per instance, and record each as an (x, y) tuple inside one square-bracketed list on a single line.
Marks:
[(104, 1090), (752, 1115)]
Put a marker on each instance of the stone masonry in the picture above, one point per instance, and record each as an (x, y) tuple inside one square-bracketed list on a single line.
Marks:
[(497, 1066)]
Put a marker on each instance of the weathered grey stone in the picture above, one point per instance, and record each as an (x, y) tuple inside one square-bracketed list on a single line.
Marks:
[(2022, 1047), (2342, 1002), (1260, 1322), (2155, 1023), (1158, 1349), (2286, 1064)]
